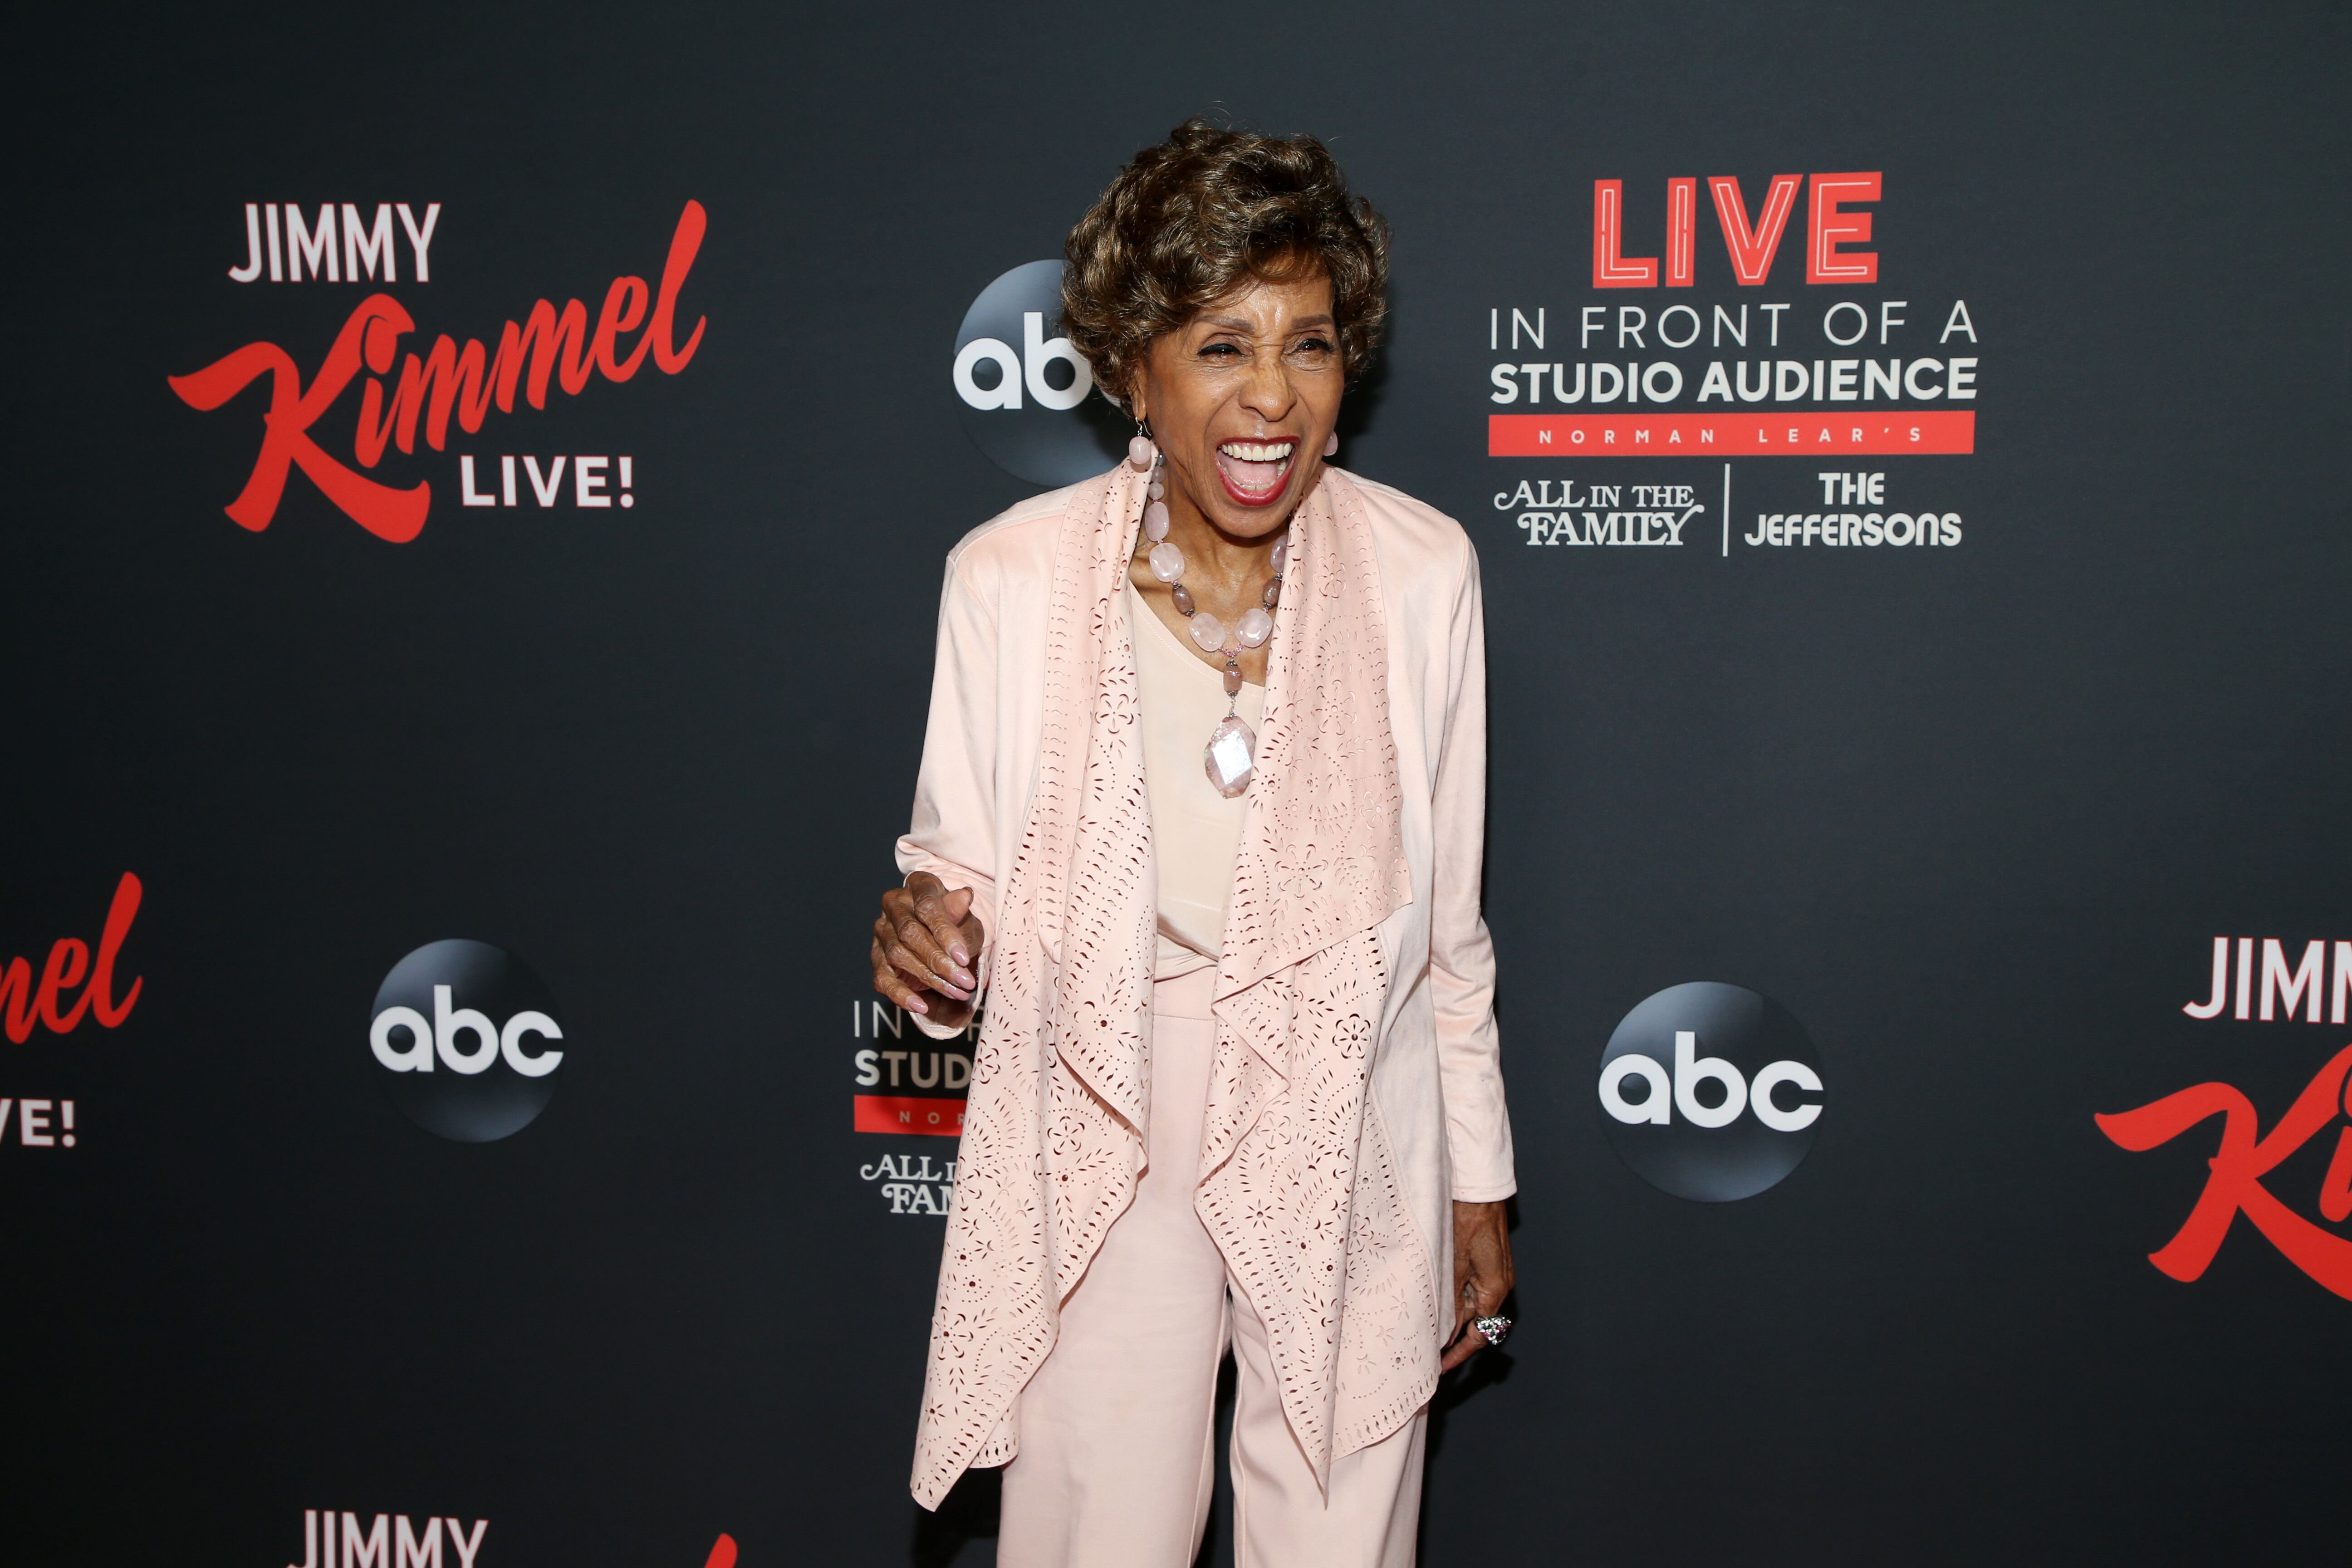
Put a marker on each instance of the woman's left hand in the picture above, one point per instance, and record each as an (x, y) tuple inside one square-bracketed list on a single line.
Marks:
[(1482, 1274)]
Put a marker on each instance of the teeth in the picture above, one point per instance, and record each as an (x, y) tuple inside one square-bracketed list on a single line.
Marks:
[(1258, 452)]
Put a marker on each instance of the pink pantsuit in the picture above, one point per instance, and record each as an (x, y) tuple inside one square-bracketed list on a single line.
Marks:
[(1286, 1129)]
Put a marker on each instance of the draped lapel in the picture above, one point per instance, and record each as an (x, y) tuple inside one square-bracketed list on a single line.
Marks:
[(1322, 854), (1298, 1187)]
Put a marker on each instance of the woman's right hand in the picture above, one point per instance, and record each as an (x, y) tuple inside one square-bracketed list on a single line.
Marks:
[(924, 943)]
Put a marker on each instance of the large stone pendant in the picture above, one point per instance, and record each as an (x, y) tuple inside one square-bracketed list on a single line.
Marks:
[(1230, 756)]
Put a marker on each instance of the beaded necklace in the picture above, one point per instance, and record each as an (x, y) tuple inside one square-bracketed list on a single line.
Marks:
[(1230, 758)]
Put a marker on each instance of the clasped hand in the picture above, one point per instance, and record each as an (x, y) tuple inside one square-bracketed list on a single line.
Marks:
[(926, 942)]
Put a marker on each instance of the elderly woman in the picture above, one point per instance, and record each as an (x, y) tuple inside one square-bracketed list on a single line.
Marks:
[(1201, 815)]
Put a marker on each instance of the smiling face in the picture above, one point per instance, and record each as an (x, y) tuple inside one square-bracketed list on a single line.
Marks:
[(1240, 398)]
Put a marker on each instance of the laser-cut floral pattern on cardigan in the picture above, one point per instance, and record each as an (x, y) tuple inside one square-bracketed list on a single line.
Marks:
[(1300, 1190)]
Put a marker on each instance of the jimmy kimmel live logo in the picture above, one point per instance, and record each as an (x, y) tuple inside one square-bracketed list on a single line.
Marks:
[(2272, 980), (367, 243), (103, 998), (330, 1540), (74, 985), (2285, 990), (547, 347), (386, 1541)]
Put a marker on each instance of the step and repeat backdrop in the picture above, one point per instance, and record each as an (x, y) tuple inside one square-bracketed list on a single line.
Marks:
[(479, 488)]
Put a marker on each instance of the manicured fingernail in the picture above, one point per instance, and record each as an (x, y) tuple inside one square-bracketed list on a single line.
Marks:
[(965, 977), (915, 1004), (960, 953)]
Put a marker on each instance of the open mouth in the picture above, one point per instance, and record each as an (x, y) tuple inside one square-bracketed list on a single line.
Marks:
[(1254, 471)]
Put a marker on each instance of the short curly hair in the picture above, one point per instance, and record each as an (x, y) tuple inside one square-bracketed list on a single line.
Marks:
[(1190, 221)]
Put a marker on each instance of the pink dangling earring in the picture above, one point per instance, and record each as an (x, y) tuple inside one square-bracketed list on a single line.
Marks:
[(1330, 443), (1139, 453)]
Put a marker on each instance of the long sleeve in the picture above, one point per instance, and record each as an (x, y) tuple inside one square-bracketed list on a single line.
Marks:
[(1461, 954), (953, 833)]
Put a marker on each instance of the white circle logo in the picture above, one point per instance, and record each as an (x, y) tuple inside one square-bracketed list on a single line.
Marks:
[(1021, 389), (1711, 1091), (466, 1036)]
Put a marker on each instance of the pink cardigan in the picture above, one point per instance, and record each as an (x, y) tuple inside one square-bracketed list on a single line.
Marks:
[(1437, 1127)]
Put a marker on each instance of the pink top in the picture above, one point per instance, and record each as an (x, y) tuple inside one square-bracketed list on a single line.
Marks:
[(1196, 832)]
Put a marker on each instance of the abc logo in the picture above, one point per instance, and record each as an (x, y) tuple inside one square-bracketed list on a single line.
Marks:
[(1022, 389), (466, 1036), (1711, 1092)]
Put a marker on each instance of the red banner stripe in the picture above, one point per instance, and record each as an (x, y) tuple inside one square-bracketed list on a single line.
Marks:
[(892, 1113), (1814, 434)]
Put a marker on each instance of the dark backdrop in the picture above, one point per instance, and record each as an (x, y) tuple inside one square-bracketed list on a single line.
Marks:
[(1973, 815)]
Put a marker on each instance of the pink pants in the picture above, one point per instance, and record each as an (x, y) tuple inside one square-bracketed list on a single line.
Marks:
[(1116, 1462)]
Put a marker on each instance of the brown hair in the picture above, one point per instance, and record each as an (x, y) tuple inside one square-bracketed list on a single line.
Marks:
[(1190, 221)]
